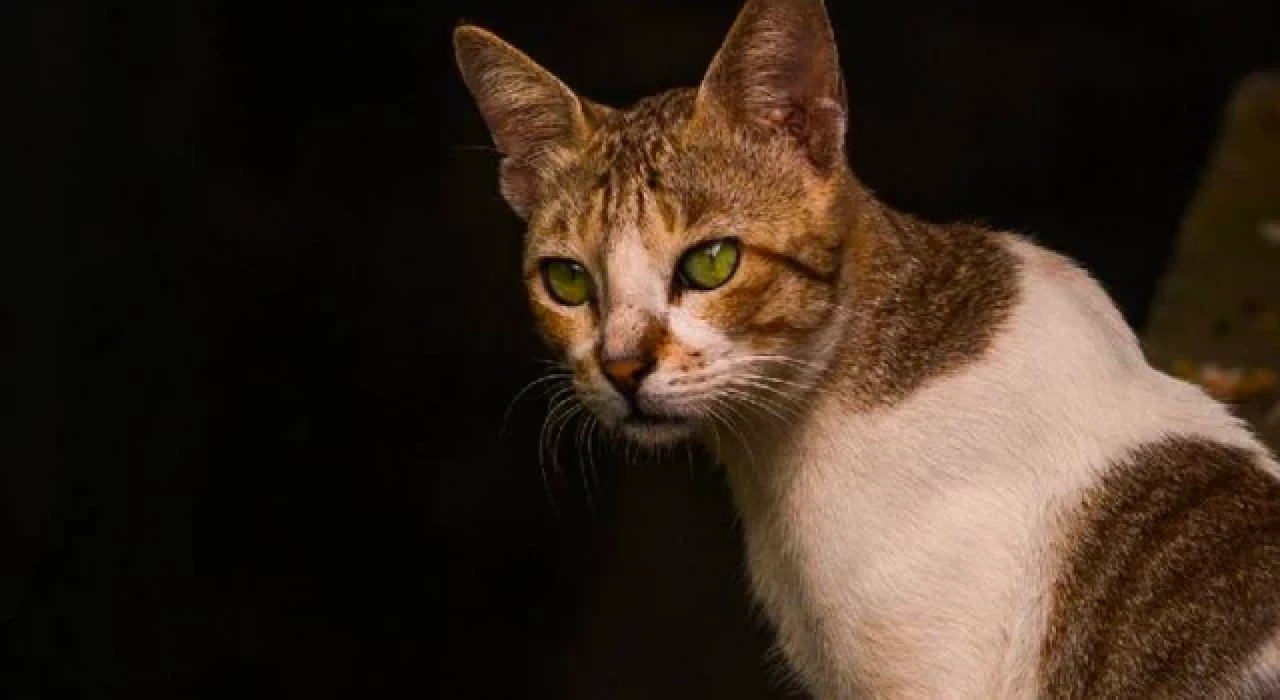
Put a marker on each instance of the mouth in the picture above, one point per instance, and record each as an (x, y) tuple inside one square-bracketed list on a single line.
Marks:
[(655, 430), (639, 418)]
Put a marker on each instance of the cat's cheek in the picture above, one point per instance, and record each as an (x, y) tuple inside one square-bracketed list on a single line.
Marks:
[(730, 308), (560, 331), (695, 337)]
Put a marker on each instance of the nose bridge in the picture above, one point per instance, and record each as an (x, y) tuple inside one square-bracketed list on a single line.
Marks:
[(634, 298), (633, 277), (630, 332)]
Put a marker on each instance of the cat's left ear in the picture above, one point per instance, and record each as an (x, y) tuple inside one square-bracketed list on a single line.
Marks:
[(536, 121), (778, 71)]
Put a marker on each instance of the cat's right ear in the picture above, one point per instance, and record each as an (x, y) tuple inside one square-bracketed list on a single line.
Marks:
[(535, 120), (778, 72)]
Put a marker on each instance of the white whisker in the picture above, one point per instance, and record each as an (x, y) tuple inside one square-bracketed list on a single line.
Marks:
[(539, 381), (558, 403), (750, 400), (733, 427), (583, 425), (592, 424), (565, 417)]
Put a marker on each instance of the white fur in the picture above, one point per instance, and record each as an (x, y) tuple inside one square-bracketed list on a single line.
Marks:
[(904, 551), (635, 279), (1262, 674)]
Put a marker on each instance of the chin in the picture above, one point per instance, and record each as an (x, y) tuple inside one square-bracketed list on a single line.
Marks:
[(663, 434)]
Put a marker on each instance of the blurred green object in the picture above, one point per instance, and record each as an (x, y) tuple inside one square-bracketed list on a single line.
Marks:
[(1219, 301)]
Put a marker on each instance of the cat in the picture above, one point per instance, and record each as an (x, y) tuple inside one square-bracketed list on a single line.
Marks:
[(957, 475)]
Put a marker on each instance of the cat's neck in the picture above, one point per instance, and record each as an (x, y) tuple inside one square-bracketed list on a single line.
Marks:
[(924, 299)]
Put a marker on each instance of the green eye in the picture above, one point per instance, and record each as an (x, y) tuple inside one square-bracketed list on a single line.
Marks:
[(709, 265), (566, 281)]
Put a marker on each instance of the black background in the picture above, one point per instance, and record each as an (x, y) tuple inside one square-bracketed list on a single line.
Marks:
[(263, 322)]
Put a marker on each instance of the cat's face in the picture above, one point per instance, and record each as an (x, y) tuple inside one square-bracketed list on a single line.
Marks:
[(682, 255), (681, 281)]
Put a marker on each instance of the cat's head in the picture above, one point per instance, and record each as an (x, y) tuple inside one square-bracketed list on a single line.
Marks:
[(683, 255)]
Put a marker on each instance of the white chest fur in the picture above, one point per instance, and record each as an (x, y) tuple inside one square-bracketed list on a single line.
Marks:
[(906, 552)]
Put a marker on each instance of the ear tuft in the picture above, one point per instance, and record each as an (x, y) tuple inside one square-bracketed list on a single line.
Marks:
[(779, 71), (533, 117)]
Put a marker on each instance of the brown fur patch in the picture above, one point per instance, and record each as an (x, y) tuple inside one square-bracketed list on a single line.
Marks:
[(796, 265), (925, 300), (1172, 576)]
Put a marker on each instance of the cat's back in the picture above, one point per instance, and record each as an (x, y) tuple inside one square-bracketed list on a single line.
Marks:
[(1087, 368), (1167, 559)]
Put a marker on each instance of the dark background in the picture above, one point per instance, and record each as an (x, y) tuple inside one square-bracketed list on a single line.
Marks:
[(263, 320)]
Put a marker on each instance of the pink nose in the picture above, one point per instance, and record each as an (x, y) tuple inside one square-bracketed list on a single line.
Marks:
[(626, 373)]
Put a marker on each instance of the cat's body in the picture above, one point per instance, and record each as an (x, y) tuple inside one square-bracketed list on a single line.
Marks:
[(957, 475), (916, 549)]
